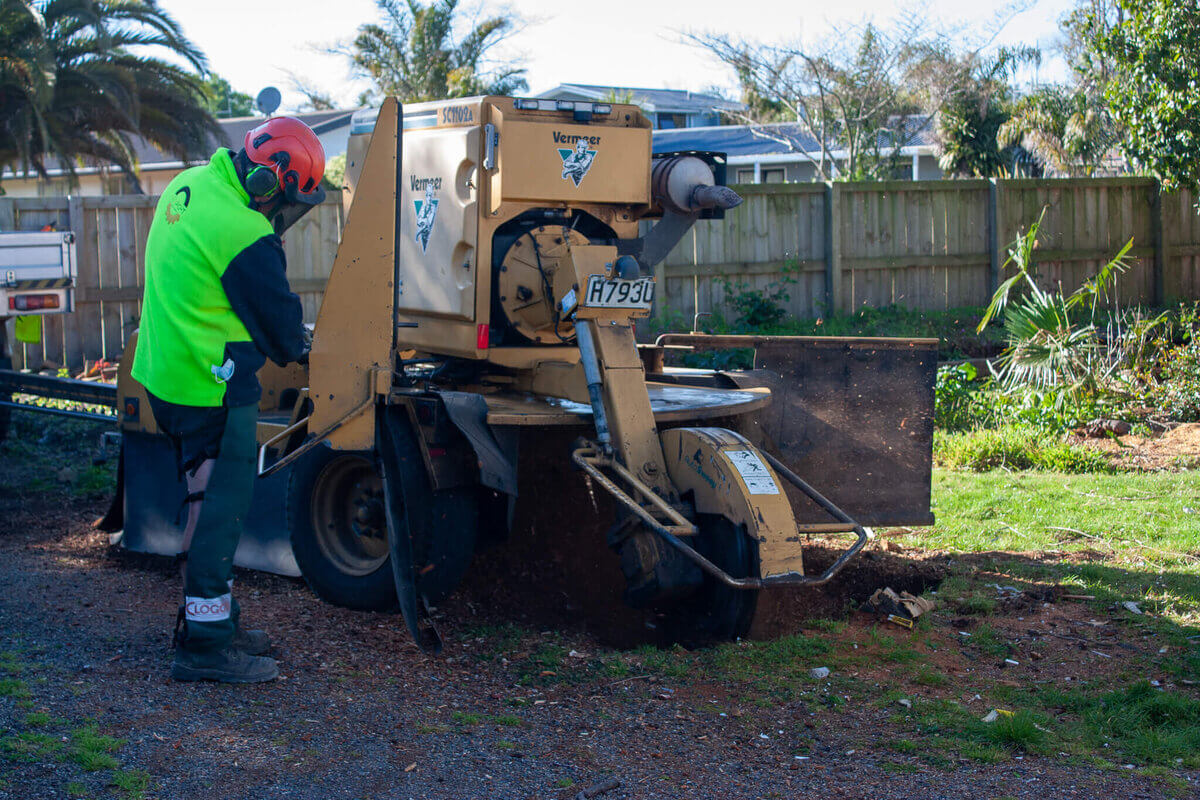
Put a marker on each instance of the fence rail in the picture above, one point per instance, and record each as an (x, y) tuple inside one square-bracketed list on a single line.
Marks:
[(932, 245), (925, 245)]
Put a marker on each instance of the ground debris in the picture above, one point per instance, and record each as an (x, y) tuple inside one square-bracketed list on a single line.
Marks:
[(1103, 427), (900, 609), (597, 789)]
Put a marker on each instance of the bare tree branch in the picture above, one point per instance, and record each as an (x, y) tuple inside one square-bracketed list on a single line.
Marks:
[(864, 90)]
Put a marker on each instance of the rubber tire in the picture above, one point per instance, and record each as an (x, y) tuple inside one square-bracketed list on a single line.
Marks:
[(372, 592), (717, 612)]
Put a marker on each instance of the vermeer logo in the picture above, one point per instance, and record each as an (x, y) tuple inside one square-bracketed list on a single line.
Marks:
[(426, 209), (178, 205), (420, 184), (577, 162), (570, 138)]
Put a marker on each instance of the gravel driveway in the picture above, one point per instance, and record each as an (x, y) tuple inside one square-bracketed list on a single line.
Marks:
[(508, 711)]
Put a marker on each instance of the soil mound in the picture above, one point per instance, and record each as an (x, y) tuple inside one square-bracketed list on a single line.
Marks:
[(1171, 451)]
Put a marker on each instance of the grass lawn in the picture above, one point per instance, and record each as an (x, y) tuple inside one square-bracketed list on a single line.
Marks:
[(1133, 535), (1123, 513)]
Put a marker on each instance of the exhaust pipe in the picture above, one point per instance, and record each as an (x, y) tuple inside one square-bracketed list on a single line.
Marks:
[(685, 185)]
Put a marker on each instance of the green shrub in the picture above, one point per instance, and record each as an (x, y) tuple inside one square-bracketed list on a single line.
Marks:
[(756, 308), (1015, 448), (1177, 392), (955, 406)]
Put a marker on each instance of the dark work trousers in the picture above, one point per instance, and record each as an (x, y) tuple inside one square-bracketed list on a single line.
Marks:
[(210, 613)]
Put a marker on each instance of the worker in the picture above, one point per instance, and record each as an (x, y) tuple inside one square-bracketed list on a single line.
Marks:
[(217, 304)]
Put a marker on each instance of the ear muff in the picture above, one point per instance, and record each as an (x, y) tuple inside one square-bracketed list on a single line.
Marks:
[(262, 182)]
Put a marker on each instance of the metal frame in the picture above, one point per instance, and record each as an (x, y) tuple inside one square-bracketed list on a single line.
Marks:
[(62, 412), (54, 388), (310, 444), (100, 394), (590, 458)]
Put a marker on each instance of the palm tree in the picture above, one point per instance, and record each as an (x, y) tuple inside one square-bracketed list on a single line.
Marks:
[(79, 79), (1069, 131), (1053, 339), (415, 55)]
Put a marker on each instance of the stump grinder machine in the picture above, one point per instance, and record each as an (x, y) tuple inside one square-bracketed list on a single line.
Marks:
[(475, 387)]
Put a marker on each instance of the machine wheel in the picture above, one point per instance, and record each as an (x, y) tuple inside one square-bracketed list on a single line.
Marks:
[(717, 612), (339, 529)]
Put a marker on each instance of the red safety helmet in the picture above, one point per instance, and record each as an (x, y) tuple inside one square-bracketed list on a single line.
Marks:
[(290, 150)]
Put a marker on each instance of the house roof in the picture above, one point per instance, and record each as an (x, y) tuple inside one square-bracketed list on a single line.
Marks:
[(679, 101), (777, 138), (233, 133)]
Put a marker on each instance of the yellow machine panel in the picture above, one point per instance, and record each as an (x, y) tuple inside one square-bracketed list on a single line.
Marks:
[(550, 161), (439, 222)]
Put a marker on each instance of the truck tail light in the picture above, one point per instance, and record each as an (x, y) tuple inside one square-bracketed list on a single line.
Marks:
[(481, 337), (32, 302)]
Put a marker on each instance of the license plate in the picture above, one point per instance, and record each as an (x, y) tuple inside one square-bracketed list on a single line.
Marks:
[(615, 293)]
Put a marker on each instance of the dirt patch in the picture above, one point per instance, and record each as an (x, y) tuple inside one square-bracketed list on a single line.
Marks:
[(1171, 451), (556, 571), (785, 611)]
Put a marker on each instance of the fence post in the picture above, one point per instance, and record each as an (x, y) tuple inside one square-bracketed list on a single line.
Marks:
[(74, 213), (833, 248), (1156, 225), (993, 234)]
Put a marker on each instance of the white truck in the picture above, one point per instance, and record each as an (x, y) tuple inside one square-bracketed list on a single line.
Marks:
[(37, 278), (37, 273)]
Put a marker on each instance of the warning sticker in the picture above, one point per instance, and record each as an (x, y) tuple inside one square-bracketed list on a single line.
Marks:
[(753, 471)]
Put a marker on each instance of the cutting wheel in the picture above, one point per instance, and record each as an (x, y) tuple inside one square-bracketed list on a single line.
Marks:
[(716, 611)]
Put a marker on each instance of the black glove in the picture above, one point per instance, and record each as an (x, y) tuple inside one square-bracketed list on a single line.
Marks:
[(308, 339)]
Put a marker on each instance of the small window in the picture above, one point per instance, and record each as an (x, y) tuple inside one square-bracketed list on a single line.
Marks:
[(672, 120), (52, 188), (745, 176), (116, 183), (774, 175)]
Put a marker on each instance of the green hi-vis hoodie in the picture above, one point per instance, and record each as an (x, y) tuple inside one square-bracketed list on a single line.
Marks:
[(217, 301)]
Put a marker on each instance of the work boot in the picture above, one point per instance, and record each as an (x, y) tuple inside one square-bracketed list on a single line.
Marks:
[(252, 643), (229, 665)]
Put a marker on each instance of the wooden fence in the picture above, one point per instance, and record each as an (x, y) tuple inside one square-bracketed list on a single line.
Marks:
[(924, 245), (932, 245), (110, 240)]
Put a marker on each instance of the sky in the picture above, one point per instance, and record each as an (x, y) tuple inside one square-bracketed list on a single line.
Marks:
[(610, 42)]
